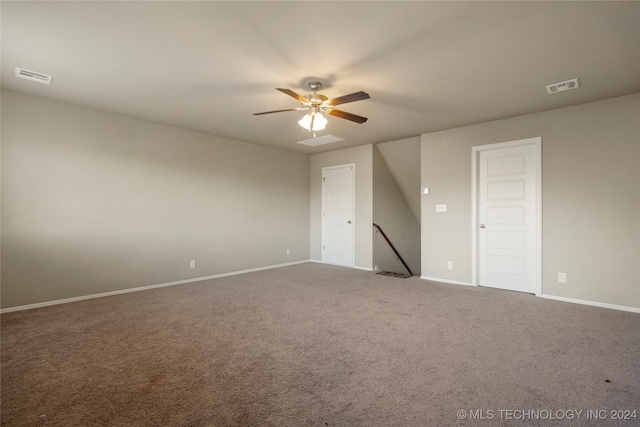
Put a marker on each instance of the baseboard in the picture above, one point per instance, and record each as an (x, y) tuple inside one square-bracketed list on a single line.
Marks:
[(252, 270), (355, 266), (592, 303), (451, 282), (144, 288), (547, 296)]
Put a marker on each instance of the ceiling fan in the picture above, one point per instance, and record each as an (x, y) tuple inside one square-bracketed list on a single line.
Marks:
[(316, 103)]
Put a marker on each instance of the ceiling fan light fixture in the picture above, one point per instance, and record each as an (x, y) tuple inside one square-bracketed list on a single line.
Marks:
[(319, 122)]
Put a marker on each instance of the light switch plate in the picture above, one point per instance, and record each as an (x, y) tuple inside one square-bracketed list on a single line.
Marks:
[(441, 208)]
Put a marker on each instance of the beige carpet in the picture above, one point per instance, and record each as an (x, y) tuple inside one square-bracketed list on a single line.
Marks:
[(317, 345)]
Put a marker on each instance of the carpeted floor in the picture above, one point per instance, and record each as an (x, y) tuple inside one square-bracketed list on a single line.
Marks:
[(317, 345)]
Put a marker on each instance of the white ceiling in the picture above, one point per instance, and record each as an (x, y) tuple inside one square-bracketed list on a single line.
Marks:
[(428, 66)]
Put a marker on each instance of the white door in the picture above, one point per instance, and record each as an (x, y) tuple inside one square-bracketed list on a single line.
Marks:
[(508, 215), (337, 215)]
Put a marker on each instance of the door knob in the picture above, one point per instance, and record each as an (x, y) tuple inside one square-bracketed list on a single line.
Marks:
[(348, 221), (481, 225)]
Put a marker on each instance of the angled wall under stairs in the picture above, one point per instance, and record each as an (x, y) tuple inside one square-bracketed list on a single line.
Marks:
[(391, 209)]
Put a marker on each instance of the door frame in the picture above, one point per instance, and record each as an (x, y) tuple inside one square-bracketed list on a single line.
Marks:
[(352, 166), (475, 169)]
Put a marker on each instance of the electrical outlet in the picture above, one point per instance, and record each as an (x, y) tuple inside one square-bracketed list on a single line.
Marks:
[(562, 277), (288, 251), (192, 263), (450, 265)]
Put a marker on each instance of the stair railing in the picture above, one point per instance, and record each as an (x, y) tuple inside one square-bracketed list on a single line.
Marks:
[(379, 229)]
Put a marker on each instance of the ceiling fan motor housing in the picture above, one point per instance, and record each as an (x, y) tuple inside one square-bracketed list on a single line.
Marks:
[(316, 99)]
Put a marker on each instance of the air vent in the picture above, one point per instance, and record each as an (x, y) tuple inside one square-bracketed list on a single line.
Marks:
[(562, 86), (321, 140), (33, 76)]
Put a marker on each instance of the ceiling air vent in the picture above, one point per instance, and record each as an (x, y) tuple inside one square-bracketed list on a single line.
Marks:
[(562, 86), (33, 76), (321, 140)]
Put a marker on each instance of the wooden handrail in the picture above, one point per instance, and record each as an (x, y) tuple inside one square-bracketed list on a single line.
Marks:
[(393, 247)]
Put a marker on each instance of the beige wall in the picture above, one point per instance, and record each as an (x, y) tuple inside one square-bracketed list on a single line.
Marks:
[(591, 198), (393, 214), (362, 157), (95, 202)]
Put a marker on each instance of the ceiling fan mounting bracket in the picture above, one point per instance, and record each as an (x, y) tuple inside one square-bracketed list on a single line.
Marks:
[(315, 86)]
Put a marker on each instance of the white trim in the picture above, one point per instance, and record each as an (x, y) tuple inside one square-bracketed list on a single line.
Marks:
[(475, 156), (144, 288), (354, 267), (550, 297), (450, 282), (475, 159), (252, 270), (592, 303)]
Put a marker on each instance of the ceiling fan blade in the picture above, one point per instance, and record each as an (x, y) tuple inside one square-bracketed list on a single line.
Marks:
[(356, 96), (345, 115), (278, 111), (292, 94)]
